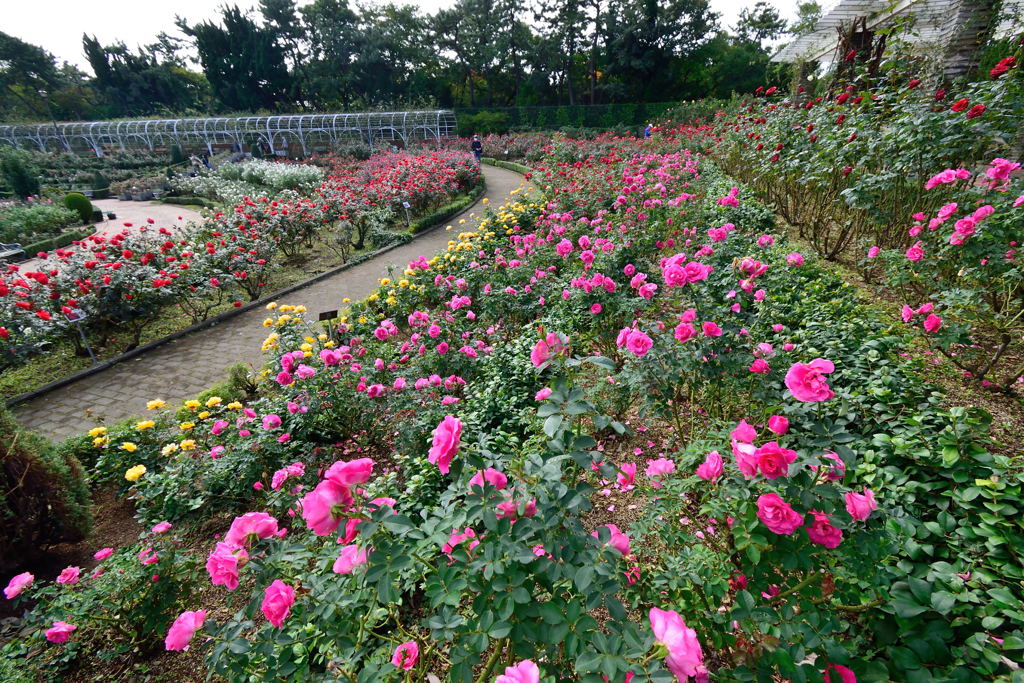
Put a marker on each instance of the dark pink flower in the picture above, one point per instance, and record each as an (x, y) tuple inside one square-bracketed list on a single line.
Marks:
[(447, 438), (822, 532), (278, 599), (777, 515), (806, 381)]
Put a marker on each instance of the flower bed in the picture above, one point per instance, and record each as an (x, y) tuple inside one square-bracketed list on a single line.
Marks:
[(424, 487), (125, 282)]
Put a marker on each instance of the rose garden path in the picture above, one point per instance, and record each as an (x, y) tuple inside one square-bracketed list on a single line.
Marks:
[(181, 369)]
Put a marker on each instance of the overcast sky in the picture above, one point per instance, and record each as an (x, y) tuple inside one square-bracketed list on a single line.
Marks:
[(47, 22)]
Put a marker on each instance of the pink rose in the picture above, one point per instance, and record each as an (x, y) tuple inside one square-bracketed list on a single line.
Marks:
[(17, 584), (710, 329), (250, 526), (795, 259), (684, 332), (685, 657), (70, 575), (844, 674), (59, 632), (447, 438), (161, 527), (806, 381), (822, 532), (777, 515), (318, 506), (523, 672), (222, 565), (350, 473), (659, 468), (103, 554), (278, 599), (271, 421), (932, 323), (744, 432), (773, 460), (860, 505), (760, 366), (778, 424), (545, 348), (746, 460), (712, 467), (617, 540), (542, 394), (182, 630), (351, 557), (873, 252), (491, 476), (406, 655), (638, 343)]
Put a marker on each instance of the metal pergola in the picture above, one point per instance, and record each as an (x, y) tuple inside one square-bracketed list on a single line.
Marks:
[(276, 132)]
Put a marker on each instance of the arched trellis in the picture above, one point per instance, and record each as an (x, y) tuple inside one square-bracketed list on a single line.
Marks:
[(307, 130)]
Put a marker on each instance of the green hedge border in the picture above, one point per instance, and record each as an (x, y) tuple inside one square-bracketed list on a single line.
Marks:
[(57, 242), (445, 212), (507, 165)]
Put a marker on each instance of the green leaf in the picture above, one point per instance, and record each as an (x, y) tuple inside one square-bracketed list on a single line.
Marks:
[(584, 577), (551, 613)]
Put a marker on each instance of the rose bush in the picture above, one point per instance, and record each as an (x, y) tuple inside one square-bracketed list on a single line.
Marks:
[(433, 468)]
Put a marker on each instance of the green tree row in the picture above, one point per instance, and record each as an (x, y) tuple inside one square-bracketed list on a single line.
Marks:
[(332, 54)]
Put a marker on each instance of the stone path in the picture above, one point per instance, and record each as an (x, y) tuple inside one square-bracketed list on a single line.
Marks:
[(181, 369)]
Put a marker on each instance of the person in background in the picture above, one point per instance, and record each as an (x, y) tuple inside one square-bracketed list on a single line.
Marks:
[(647, 130), (477, 148)]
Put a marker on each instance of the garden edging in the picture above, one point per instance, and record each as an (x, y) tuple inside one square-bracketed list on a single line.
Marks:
[(227, 315)]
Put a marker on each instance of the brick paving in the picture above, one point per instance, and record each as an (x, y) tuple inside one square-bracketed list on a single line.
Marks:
[(181, 369)]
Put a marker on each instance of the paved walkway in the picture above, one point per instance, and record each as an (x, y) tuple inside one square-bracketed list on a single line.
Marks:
[(181, 369)]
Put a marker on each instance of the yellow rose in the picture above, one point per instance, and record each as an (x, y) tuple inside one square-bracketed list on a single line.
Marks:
[(145, 424), (156, 404), (134, 473), (214, 401), (100, 441), (188, 445), (168, 449), (300, 309), (129, 446), (346, 300), (185, 426), (268, 323), (272, 305), (205, 414), (97, 431), (192, 404), (234, 405)]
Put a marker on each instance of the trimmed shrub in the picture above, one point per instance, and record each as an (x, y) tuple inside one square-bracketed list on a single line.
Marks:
[(44, 497), (80, 204), (56, 242)]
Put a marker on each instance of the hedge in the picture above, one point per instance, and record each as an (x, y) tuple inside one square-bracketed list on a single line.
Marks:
[(447, 211), (507, 165), (57, 242)]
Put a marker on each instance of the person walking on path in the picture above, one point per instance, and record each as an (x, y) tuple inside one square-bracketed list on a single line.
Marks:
[(477, 148)]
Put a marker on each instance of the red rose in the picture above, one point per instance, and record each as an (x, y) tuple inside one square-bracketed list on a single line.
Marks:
[(976, 111), (961, 104)]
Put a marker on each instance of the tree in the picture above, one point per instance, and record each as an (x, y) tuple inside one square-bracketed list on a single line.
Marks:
[(27, 74), (652, 41), (242, 60), (807, 15), (760, 24), (138, 84)]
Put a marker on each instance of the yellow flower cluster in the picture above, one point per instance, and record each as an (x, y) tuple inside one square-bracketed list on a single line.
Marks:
[(135, 473), (156, 404), (145, 424), (192, 404), (270, 342)]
